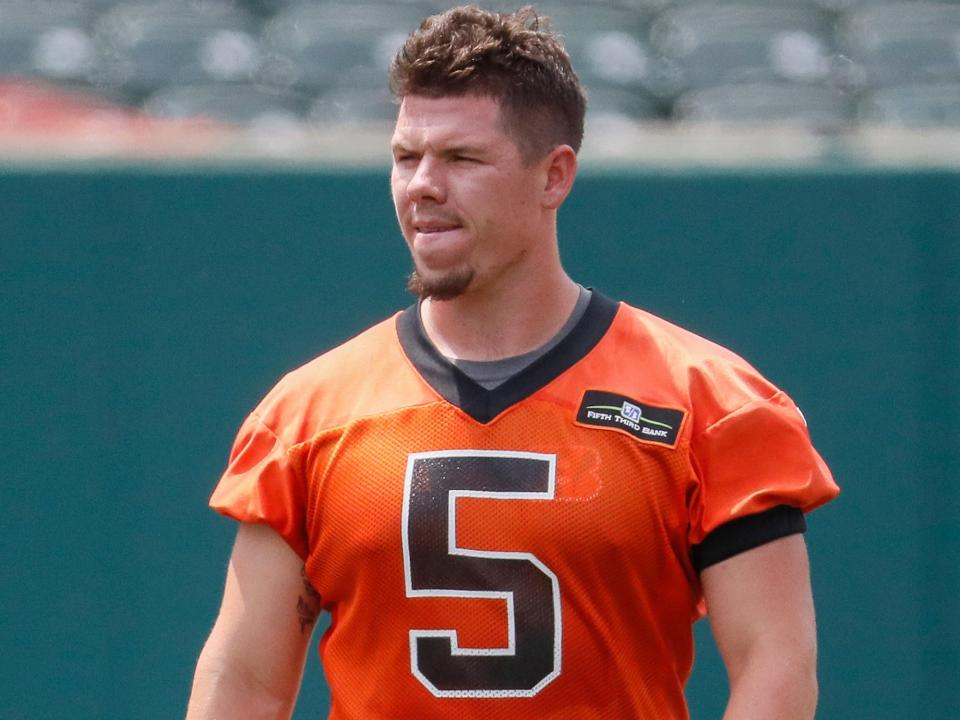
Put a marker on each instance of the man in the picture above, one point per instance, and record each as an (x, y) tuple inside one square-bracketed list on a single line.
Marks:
[(515, 496)]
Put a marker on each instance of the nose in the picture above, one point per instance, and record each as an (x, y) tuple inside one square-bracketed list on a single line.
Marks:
[(427, 182)]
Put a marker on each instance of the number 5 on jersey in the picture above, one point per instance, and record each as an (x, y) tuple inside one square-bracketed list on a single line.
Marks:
[(436, 567)]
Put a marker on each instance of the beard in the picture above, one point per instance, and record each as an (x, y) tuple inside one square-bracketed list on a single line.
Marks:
[(445, 287)]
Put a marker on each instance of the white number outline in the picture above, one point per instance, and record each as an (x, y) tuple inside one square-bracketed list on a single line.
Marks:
[(454, 549)]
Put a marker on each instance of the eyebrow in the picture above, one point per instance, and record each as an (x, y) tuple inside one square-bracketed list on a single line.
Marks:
[(464, 150), (459, 149)]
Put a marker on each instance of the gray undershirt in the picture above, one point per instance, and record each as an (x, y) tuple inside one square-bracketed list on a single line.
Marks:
[(491, 373)]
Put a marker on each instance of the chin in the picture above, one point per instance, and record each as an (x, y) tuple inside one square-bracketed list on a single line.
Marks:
[(440, 286)]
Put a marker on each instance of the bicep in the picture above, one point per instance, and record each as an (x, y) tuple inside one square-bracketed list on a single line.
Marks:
[(267, 611), (762, 597)]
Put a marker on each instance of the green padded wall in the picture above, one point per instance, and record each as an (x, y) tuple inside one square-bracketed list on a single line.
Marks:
[(145, 310)]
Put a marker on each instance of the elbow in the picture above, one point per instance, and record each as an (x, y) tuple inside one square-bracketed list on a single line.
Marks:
[(226, 688), (779, 683), (801, 688)]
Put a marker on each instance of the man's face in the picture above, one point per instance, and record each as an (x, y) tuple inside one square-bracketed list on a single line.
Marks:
[(466, 201)]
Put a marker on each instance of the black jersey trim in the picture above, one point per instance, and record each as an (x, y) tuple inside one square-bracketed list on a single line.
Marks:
[(746, 533), (481, 404)]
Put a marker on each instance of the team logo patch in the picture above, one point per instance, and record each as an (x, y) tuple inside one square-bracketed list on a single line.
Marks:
[(644, 422)]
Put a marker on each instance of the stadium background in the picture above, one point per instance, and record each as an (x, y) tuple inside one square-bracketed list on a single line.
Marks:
[(157, 279), (145, 311)]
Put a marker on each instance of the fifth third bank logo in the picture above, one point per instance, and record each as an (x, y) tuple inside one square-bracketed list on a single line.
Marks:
[(644, 422), (631, 411)]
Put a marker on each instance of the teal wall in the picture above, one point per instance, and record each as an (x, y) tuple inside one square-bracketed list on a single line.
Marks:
[(144, 311)]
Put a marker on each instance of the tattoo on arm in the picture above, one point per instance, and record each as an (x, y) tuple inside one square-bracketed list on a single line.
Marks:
[(308, 604)]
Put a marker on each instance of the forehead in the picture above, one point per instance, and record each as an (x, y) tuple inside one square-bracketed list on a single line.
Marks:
[(449, 120)]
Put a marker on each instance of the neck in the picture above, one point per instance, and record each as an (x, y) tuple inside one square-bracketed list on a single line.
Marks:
[(502, 322)]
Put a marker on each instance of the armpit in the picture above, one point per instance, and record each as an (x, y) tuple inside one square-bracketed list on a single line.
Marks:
[(308, 604)]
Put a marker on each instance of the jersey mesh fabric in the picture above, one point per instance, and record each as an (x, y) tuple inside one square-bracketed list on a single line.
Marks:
[(418, 523), (613, 533)]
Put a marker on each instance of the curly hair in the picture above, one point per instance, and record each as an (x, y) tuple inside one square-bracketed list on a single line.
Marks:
[(512, 57)]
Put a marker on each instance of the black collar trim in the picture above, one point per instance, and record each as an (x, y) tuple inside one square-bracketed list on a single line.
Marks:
[(483, 405)]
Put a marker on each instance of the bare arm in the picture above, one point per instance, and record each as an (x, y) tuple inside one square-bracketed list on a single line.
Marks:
[(252, 663), (761, 612)]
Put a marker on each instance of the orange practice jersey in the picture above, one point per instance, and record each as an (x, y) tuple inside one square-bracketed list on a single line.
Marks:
[(528, 552)]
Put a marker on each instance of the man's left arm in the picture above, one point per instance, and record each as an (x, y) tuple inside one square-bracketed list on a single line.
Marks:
[(761, 613)]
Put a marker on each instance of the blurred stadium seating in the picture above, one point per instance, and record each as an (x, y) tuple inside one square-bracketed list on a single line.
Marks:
[(811, 107), (828, 66)]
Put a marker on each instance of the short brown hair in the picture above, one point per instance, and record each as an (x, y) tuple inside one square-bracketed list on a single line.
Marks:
[(513, 57)]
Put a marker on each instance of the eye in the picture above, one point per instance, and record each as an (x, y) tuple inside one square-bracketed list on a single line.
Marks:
[(404, 156)]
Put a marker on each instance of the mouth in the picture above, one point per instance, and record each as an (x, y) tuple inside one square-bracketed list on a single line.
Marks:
[(435, 228), (437, 243)]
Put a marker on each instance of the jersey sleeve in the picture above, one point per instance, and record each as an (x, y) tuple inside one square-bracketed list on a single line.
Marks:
[(756, 468), (262, 484)]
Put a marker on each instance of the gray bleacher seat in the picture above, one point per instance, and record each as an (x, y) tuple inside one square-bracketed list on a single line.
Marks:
[(542, 6), (234, 103), (606, 42), (354, 105), (318, 45), (919, 106), (809, 106), (608, 104), (272, 7), (894, 43), (722, 43), (816, 4), (859, 4), (50, 40), (263, 8), (142, 46)]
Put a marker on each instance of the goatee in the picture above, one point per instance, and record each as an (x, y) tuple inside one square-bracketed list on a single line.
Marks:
[(447, 287)]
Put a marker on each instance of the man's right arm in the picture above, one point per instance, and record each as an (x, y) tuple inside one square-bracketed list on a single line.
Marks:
[(252, 663)]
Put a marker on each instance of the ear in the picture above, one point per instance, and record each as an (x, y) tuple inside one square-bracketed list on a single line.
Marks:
[(561, 169)]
